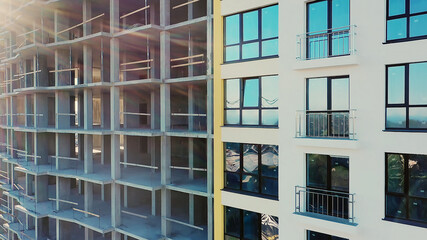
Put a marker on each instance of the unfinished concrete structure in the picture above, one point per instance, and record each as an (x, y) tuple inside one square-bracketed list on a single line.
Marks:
[(106, 119)]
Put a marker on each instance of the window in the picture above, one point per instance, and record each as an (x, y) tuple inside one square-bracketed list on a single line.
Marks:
[(406, 20), (327, 173), (406, 187), (252, 101), (406, 101), (241, 224), (312, 235), (252, 34), (328, 28), (252, 168), (328, 107)]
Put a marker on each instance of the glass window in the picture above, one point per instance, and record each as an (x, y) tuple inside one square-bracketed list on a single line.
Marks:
[(340, 13), (259, 34), (317, 172), (399, 16), (407, 112), (247, 225), (260, 164), (317, 94), (258, 104), (406, 187), (312, 235)]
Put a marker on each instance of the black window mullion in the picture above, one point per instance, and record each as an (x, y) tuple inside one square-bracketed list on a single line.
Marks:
[(406, 186), (407, 94), (241, 36), (241, 86), (241, 165), (259, 32), (259, 168), (408, 14), (259, 101), (329, 105), (329, 30)]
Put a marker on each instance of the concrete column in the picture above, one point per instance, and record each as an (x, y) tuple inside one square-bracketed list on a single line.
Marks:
[(87, 14), (190, 107), (165, 110), (165, 179), (105, 110), (62, 105), (41, 188), (88, 153), (63, 186), (88, 197), (88, 108), (88, 234)]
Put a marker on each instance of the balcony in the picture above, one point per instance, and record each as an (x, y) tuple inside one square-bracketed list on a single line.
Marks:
[(325, 44), (326, 124), (325, 204)]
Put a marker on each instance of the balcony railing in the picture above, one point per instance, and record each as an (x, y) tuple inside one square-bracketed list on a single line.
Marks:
[(326, 124), (334, 204), (326, 43)]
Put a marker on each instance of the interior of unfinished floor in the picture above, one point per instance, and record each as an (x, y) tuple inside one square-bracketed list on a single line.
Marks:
[(106, 119)]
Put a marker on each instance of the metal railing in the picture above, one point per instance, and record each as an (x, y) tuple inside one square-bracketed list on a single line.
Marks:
[(325, 124), (325, 202), (327, 43)]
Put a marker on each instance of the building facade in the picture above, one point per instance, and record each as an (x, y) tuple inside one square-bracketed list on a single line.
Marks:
[(320, 119), (106, 119)]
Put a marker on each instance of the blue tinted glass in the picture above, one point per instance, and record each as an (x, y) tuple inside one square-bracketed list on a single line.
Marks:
[(270, 117), (418, 83), (270, 161), (270, 91), (232, 33), (340, 42), (418, 209), (232, 93), (250, 183), (396, 118), (317, 93), (396, 29), (270, 186), (418, 6), (251, 225), (418, 25), (270, 22), (340, 13), (418, 118), (396, 7), (250, 25), (270, 48), (396, 85), (232, 53), (318, 46), (250, 158), (251, 93), (317, 16), (395, 206), (232, 221), (250, 50), (232, 180), (232, 117)]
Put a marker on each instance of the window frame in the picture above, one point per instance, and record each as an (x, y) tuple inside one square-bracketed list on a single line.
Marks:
[(406, 104), (259, 174), (331, 237), (241, 107), (407, 15), (242, 42), (242, 225), (405, 193)]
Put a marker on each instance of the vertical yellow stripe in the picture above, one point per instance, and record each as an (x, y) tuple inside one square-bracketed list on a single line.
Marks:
[(218, 122)]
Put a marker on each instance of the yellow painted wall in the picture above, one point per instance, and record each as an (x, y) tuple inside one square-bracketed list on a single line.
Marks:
[(218, 122)]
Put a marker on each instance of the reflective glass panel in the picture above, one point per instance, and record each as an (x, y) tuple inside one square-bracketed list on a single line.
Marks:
[(396, 173), (417, 6), (270, 117), (232, 116), (418, 209), (250, 183), (317, 94), (232, 29), (232, 180), (340, 94), (318, 46), (232, 53), (395, 206), (232, 157), (340, 13), (251, 93), (232, 221), (418, 176), (270, 47), (396, 118), (317, 170), (270, 160), (270, 22), (269, 227), (317, 16), (396, 29), (250, 50), (340, 42), (270, 186), (232, 95), (270, 91), (250, 117), (417, 25), (250, 158), (418, 117), (340, 174), (250, 25), (396, 85), (418, 83), (251, 225), (396, 7)]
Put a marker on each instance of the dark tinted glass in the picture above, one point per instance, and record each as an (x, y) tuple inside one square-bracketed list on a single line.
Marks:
[(317, 170), (269, 227), (251, 225), (396, 174), (418, 209), (232, 180), (418, 175), (270, 186), (312, 235), (340, 174), (395, 206), (232, 221), (250, 183)]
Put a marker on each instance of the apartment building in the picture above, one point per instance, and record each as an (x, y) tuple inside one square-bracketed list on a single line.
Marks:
[(106, 122), (320, 119)]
